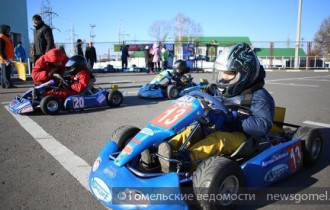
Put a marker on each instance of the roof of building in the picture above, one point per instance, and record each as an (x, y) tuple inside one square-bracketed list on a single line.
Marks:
[(279, 52), (222, 41)]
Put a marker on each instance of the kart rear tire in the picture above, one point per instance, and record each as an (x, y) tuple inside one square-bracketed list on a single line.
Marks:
[(115, 98), (122, 135), (312, 143), (217, 175), (50, 105), (172, 92)]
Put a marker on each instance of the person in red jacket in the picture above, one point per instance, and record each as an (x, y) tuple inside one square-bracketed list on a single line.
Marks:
[(52, 62), (79, 78)]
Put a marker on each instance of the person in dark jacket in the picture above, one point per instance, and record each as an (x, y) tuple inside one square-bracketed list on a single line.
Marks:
[(90, 54), (124, 57), (239, 75), (6, 56), (79, 50), (43, 38)]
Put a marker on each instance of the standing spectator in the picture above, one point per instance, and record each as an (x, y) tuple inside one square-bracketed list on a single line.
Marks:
[(164, 57), (78, 50), (6, 56), (148, 58), (90, 54), (124, 56), (20, 54), (43, 38), (156, 58)]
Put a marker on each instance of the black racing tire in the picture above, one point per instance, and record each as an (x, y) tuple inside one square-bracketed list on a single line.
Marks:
[(50, 105), (172, 92), (115, 98), (217, 175), (211, 89), (122, 135), (312, 143)]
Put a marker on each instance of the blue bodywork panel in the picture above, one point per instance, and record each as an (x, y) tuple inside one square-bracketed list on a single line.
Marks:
[(112, 184), (273, 164), (86, 101)]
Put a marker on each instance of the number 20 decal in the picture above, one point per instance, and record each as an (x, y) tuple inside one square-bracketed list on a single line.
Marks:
[(295, 156), (78, 103), (170, 116)]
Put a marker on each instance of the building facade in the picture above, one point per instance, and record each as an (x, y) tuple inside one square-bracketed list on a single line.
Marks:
[(14, 14)]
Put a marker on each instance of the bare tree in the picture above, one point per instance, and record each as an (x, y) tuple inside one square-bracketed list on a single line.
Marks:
[(185, 27), (322, 40), (160, 30), (180, 28)]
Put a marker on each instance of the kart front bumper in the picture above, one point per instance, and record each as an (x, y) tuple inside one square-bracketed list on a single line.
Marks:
[(20, 106), (119, 188), (148, 91)]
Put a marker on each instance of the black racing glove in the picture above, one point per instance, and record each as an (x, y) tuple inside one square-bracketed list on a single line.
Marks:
[(53, 71)]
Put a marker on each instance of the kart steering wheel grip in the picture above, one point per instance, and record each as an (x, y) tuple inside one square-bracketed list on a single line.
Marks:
[(215, 102)]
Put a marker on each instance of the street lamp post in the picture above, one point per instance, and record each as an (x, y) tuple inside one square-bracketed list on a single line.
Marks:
[(296, 56)]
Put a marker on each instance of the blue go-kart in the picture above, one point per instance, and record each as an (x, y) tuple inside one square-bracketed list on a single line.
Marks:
[(127, 173), (33, 99), (164, 86)]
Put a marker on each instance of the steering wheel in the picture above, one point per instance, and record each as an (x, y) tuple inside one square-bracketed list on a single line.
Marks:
[(217, 105), (61, 80)]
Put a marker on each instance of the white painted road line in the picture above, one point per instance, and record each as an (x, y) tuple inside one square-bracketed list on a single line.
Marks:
[(317, 124), (291, 84), (75, 165), (297, 78)]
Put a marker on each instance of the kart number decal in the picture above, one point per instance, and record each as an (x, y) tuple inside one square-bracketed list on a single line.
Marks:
[(78, 103), (171, 115), (295, 156)]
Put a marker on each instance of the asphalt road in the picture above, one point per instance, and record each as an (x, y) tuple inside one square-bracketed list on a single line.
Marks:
[(33, 178)]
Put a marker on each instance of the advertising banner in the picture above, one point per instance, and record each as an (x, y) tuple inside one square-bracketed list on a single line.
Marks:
[(170, 49), (188, 51)]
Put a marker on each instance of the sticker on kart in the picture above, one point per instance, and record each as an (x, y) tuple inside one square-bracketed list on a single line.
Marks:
[(78, 102), (295, 156), (174, 113)]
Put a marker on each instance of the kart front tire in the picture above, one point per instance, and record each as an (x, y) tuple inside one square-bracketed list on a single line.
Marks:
[(50, 105), (312, 143), (115, 98), (217, 175), (122, 135), (172, 92)]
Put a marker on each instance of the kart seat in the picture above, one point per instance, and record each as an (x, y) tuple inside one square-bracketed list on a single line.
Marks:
[(253, 144), (250, 147)]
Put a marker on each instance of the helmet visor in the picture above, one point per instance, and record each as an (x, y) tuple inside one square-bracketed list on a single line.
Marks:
[(227, 78), (69, 64)]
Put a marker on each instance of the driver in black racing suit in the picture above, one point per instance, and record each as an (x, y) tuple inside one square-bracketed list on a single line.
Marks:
[(180, 73)]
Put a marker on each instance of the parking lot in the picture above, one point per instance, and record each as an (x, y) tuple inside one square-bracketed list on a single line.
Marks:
[(45, 160)]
